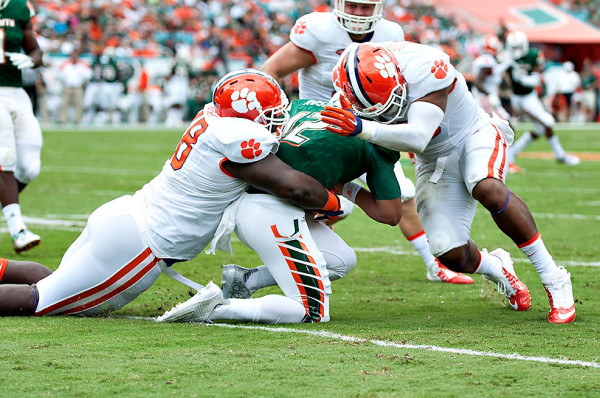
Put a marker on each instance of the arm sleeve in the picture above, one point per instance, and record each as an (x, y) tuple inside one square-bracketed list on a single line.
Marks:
[(423, 119)]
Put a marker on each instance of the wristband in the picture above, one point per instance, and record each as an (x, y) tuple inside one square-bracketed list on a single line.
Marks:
[(350, 190), (333, 202)]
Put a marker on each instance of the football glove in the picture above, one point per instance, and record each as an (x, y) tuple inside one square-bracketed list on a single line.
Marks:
[(20, 60), (341, 121)]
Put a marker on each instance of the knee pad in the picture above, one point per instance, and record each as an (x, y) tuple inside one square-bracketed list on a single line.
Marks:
[(407, 188), (339, 263), (8, 159), (28, 172)]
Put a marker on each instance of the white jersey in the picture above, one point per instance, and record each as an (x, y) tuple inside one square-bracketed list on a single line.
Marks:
[(180, 209), (425, 70), (492, 82), (321, 35)]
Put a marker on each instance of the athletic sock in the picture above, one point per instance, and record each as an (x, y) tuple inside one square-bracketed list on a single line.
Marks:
[(558, 150), (421, 244), (518, 146), (536, 251), (14, 219), (258, 278), (489, 266)]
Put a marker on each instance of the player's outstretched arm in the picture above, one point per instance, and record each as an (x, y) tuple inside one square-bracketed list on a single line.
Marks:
[(286, 60), (275, 177)]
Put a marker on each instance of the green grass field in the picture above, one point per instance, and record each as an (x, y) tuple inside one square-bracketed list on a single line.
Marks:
[(392, 333)]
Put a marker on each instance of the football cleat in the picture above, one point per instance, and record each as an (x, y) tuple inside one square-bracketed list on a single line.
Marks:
[(197, 308), (233, 281), (513, 168), (439, 273), (560, 295), (569, 160), (25, 240), (515, 291)]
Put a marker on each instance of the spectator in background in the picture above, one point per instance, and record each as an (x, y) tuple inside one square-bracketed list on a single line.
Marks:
[(588, 96), (568, 85), (74, 74)]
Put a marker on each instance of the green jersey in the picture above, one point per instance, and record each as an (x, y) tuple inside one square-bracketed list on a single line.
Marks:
[(13, 19), (308, 147), (526, 64)]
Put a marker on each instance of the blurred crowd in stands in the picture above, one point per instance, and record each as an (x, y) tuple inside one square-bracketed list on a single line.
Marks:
[(155, 61)]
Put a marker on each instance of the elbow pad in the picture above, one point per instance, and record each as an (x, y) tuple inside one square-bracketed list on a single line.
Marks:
[(423, 119)]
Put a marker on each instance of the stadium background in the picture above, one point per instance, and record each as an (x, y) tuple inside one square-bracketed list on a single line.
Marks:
[(199, 40)]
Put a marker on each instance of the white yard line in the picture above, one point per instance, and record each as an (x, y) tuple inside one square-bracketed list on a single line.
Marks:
[(425, 347), (382, 343)]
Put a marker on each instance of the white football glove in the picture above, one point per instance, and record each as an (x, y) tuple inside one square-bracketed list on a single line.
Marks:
[(20, 60)]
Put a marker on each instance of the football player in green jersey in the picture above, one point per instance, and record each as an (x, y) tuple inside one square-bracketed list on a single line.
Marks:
[(20, 133), (524, 77), (302, 256)]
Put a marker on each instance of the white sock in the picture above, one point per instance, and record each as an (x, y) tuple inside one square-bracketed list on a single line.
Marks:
[(268, 309), (421, 245), (258, 278), (558, 150), (489, 266), (518, 146), (14, 219), (539, 256)]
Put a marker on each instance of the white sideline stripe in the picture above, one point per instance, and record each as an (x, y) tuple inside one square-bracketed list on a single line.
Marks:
[(382, 343)]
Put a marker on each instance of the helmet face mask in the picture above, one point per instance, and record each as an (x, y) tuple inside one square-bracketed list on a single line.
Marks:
[(517, 44), (254, 95), (369, 78), (358, 24)]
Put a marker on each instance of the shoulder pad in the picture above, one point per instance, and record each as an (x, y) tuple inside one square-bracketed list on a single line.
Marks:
[(243, 141), (310, 29)]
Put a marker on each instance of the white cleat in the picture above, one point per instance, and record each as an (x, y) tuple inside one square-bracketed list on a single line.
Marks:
[(560, 295), (440, 273), (569, 160), (197, 308), (515, 291), (233, 281), (25, 240)]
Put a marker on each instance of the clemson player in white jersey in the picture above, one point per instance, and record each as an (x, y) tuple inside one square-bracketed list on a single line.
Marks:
[(129, 241), (487, 77), (412, 99), (315, 45)]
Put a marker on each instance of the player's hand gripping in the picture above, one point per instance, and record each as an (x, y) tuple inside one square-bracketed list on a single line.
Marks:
[(331, 210), (20, 60), (341, 121)]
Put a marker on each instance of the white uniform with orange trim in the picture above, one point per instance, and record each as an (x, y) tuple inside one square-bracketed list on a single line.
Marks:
[(129, 241), (321, 35), (491, 83), (466, 149)]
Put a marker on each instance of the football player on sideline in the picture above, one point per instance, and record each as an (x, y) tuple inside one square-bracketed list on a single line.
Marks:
[(129, 241), (315, 45), (300, 255), (20, 132), (524, 77), (412, 99)]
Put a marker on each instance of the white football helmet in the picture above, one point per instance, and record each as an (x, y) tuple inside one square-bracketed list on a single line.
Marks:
[(517, 44), (252, 94), (3, 4), (358, 24)]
